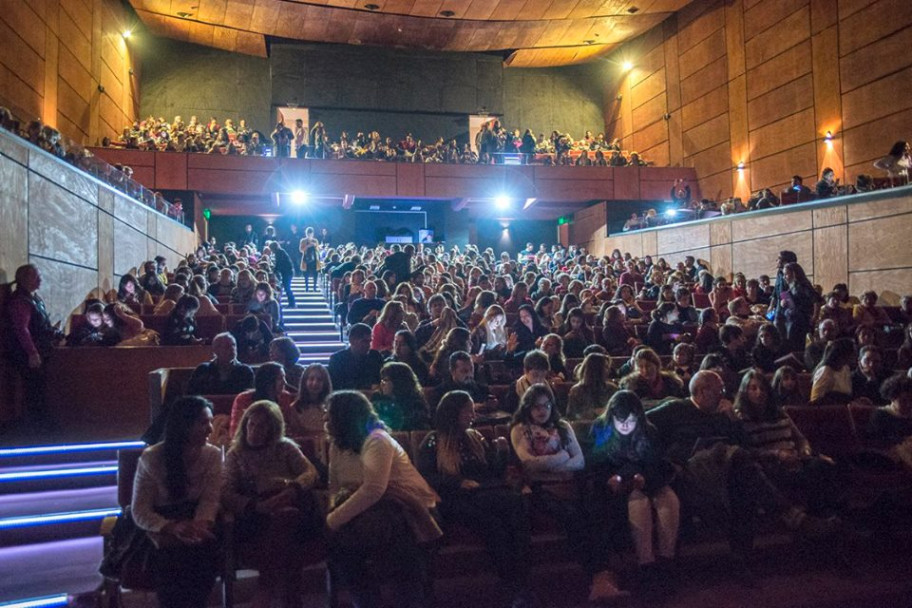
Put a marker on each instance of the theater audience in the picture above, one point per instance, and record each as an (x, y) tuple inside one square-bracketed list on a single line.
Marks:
[(180, 330), (253, 337), (358, 366), (892, 425), (285, 352), (305, 415), (832, 379), (269, 385), (399, 403), (91, 331), (405, 350)]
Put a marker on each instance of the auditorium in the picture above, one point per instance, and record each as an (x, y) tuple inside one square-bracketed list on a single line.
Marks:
[(452, 303)]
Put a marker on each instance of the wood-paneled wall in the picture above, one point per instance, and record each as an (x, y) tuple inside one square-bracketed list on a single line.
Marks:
[(762, 81), (858, 240), (54, 56)]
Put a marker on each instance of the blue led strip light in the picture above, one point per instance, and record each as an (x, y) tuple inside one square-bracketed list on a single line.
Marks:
[(55, 473), (69, 448), (37, 602), (55, 518)]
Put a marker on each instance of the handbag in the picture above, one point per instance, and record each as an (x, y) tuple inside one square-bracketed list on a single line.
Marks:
[(129, 554)]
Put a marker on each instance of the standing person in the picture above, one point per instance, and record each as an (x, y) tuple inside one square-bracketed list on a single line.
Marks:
[(400, 264), (777, 315), (310, 258), (799, 306), (176, 496), (379, 507), (300, 138), (248, 238), (29, 342), (317, 141), (282, 137), (284, 267)]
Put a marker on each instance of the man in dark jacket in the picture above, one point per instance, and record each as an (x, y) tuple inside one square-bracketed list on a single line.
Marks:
[(356, 367), (285, 269), (223, 375)]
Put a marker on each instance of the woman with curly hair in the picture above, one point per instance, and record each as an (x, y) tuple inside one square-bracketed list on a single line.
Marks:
[(590, 395)]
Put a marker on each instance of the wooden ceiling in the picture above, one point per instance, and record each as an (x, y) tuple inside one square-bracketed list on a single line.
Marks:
[(537, 33)]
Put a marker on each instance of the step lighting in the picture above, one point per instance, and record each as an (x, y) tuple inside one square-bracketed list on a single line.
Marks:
[(69, 448), (56, 518), (49, 473), (37, 602)]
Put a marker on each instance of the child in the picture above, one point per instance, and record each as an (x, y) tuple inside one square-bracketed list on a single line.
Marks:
[(785, 386), (91, 331), (625, 446), (682, 362)]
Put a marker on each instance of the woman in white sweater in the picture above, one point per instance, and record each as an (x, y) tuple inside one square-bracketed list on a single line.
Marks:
[(380, 505), (551, 456), (176, 495)]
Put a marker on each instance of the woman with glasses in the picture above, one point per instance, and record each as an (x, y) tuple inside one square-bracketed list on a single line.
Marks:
[(551, 456)]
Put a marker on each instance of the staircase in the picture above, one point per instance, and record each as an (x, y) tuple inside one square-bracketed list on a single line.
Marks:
[(53, 500), (310, 324)]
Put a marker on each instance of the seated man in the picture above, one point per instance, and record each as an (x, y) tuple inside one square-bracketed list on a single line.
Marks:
[(869, 313), (223, 375), (833, 309), (798, 187), (356, 367), (827, 331), (739, 315), (366, 308), (535, 371), (461, 377), (703, 440)]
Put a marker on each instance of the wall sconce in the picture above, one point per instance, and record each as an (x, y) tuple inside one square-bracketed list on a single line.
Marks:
[(619, 97), (740, 167), (126, 34), (666, 116), (101, 89), (828, 137)]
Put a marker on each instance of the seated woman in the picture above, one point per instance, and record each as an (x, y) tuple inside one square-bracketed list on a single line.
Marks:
[(528, 331), (869, 314), (489, 338), (456, 340), (626, 448), (661, 384), (380, 505), (173, 293), (616, 337), (832, 380), (285, 352), (199, 290), (244, 289), (278, 521), (625, 298), (130, 293), (223, 288), (269, 385), (263, 303), (550, 455), (405, 350), (388, 323), (123, 327), (683, 362), (544, 309), (553, 346), (400, 404), (785, 387), (576, 334), (304, 417), (589, 396), (176, 496), (707, 338), (180, 330), (781, 449), (253, 338), (468, 473), (720, 295)]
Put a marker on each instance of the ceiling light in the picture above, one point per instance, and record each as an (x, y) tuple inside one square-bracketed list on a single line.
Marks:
[(127, 33), (502, 201), (299, 197), (627, 65)]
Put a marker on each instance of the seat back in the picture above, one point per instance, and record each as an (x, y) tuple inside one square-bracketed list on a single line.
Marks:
[(829, 428), (127, 463)]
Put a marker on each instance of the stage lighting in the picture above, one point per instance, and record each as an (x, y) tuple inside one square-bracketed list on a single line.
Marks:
[(299, 197), (627, 65), (671, 213), (127, 33), (502, 201)]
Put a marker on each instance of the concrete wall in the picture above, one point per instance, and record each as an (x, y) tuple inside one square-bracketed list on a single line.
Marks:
[(762, 81), (54, 55), (368, 88), (858, 240), (82, 235)]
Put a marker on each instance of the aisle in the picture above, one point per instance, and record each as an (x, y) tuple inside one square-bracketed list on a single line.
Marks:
[(310, 324)]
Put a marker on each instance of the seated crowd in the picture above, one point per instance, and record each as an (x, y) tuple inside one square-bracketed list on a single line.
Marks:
[(636, 395), (50, 140), (491, 143), (896, 164)]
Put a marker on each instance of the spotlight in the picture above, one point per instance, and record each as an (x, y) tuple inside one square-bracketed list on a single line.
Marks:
[(127, 33), (627, 65), (671, 213), (299, 197), (502, 201)]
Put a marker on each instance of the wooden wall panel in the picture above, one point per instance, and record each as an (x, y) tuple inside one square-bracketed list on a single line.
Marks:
[(876, 60), (831, 264), (783, 134), (890, 285), (758, 256), (781, 102), (707, 135), (769, 224), (648, 88), (704, 108), (720, 258), (710, 77), (776, 170), (868, 102), (684, 238), (787, 32), (788, 66), (880, 244), (649, 113), (53, 57), (702, 53)]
